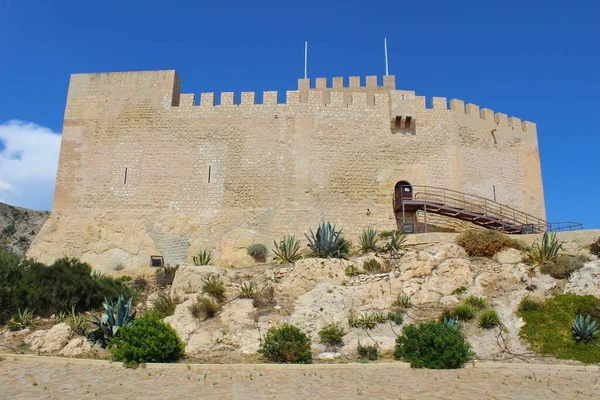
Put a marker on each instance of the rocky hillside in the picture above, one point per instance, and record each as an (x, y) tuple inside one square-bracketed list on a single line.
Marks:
[(18, 227)]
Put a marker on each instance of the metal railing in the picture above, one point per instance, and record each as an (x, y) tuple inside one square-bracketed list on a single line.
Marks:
[(484, 210)]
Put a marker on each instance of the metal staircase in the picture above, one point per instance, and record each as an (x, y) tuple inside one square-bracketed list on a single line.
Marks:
[(478, 210)]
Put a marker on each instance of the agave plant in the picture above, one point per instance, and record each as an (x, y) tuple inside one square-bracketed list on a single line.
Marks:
[(248, 290), (24, 319), (450, 322), (368, 240), (584, 329), (546, 249), (402, 301), (328, 242), (395, 241), (367, 321), (287, 250), (111, 323), (77, 322), (203, 258)]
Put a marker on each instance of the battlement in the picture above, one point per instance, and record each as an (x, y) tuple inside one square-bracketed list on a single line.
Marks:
[(354, 92)]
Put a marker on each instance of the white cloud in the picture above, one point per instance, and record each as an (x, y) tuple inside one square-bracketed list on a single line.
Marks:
[(28, 164)]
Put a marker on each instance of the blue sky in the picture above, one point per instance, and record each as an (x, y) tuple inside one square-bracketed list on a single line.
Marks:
[(536, 60)]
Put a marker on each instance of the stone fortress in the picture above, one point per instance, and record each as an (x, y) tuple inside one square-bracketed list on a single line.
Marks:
[(146, 170)]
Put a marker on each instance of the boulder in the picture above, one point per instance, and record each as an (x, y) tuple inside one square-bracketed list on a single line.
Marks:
[(188, 279), (445, 251), (510, 256), (322, 305), (328, 355), (184, 323), (76, 347), (309, 272), (49, 341), (237, 314), (586, 280), (360, 261), (449, 301), (449, 275)]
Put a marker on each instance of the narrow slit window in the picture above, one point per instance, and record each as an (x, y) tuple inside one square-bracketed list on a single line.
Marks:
[(209, 168), (125, 177)]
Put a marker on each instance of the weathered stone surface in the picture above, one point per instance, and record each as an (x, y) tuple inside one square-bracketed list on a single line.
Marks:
[(49, 341), (188, 279), (449, 301), (510, 256), (309, 272), (586, 280), (76, 347), (446, 250), (328, 355), (449, 275), (324, 304)]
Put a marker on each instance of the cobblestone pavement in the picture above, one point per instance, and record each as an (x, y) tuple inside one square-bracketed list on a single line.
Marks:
[(31, 379)]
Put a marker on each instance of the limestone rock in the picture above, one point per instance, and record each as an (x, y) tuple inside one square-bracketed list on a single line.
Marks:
[(586, 280), (188, 279), (309, 272), (184, 323), (445, 251), (234, 244), (237, 314), (324, 304), (449, 275), (509, 256), (75, 347), (49, 341), (328, 355), (449, 301), (360, 261)]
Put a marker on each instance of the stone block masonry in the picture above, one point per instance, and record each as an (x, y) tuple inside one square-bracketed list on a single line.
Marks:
[(145, 170)]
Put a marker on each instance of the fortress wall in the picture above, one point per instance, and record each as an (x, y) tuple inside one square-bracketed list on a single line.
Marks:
[(145, 170)]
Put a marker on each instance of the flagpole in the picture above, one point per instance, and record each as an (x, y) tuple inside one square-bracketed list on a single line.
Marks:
[(305, 58), (386, 56)]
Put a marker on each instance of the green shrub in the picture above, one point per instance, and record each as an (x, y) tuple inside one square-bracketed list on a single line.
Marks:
[(562, 266), (372, 266), (395, 241), (204, 308), (214, 286), (257, 251), (286, 344), (396, 317), (464, 312), (595, 247), (432, 345), (485, 243), (248, 290), (367, 352), (164, 305), (328, 242), (147, 339), (489, 319), (332, 335), (67, 283), (478, 302), (202, 258), (548, 328), (545, 249), (11, 272), (287, 250), (368, 240), (165, 276), (459, 290), (528, 304), (9, 230), (351, 270)]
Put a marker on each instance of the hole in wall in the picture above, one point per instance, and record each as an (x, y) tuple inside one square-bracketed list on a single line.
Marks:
[(125, 176)]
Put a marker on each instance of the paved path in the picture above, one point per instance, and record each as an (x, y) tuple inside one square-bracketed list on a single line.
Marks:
[(81, 379)]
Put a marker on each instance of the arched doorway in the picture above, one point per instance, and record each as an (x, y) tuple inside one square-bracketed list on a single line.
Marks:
[(402, 191)]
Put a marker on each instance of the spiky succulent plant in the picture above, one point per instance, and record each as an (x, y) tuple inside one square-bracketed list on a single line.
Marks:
[(584, 329), (328, 242), (287, 250), (111, 322), (368, 240)]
